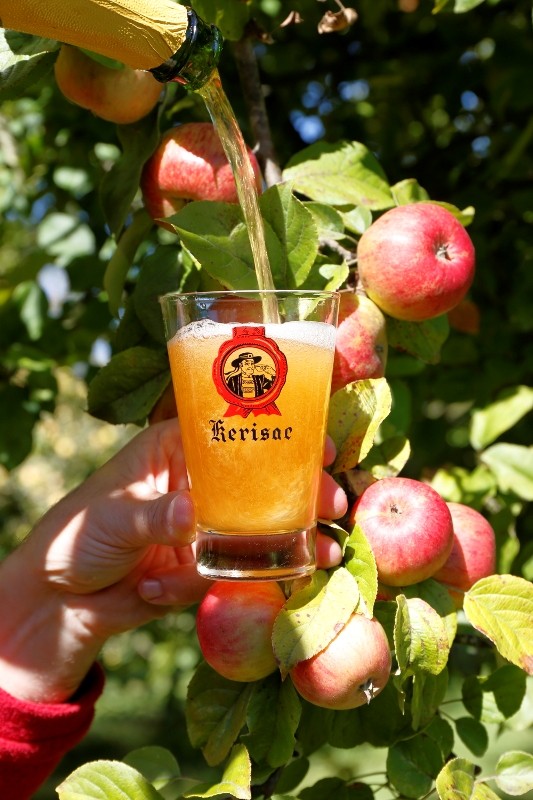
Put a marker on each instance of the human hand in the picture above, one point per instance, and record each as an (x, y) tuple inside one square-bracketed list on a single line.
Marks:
[(112, 555)]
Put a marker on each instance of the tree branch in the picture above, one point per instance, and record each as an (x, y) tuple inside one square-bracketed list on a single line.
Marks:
[(250, 80)]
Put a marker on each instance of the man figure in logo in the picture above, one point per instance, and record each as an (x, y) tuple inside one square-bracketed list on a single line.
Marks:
[(247, 380)]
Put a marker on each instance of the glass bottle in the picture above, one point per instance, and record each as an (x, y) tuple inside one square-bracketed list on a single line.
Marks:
[(161, 36)]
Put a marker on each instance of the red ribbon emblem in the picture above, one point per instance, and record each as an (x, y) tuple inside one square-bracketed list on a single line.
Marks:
[(249, 372)]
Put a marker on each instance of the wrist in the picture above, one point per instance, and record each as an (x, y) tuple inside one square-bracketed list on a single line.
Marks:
[(46, 649)]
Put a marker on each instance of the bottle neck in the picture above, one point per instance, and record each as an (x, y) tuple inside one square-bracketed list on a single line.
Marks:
[(159, 35), (196, 59)]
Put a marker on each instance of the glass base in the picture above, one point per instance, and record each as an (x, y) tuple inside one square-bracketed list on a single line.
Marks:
[(258, 556)]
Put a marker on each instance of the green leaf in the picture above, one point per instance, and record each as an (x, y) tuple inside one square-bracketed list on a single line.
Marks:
[(515, 772), (420, 637), (119, 186), (336, 789), (456, 781), (24, 60), (489, 423), (355, 413), (16, 426), (427, 694), (357, 219), (360, 562), (438, 598), (492, 699), (163, 271), (512, 465), (329, 222), (126, 389), (236, 779), (339, 174), (296, 231), (413, 765), (408, 191), (110, 779), (216, 236), (273, 716), (122, 259), (292, 775), (423, 340), (501, 607), (312, 617), (388, 458), (473, 734), (65, 237), (215, 712), (157, 764)]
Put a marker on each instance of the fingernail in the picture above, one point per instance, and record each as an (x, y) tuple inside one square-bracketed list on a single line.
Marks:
[(183, 516), (151, 589)]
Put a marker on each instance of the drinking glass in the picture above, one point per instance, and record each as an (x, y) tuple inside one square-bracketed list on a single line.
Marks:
[(252, 375)]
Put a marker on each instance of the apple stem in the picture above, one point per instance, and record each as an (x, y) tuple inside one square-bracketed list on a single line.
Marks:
[(442, 252)]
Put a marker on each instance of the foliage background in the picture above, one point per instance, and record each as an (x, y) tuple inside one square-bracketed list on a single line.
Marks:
[(444, 98)]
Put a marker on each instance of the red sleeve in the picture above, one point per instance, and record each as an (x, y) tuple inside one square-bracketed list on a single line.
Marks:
[(35, 736)]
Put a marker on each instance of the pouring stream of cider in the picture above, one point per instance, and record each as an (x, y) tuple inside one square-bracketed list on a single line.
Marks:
[(234, 146)]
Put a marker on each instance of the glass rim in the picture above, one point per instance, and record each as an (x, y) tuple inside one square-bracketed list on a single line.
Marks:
[(311, 293)]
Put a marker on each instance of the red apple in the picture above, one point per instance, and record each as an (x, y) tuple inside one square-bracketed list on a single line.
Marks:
[(234, 626), (350, 671), (361, 341), (189, 164), (473, 554), (408, 526), (117, 95), (416, 261)]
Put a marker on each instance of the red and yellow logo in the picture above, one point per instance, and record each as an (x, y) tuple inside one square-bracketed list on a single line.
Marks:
[(249, 372)]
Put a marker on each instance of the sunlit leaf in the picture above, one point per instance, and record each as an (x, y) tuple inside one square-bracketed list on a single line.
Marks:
[(488, 423), (515, 772), (512, 464), (457, 781), (341, 173), (420, 637), (235, 780), (355, 413), (110, 779), (501, 607), (313, 616), (360, 562), (295, 229)]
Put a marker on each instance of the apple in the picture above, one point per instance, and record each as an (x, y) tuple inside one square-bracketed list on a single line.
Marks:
[(408, 526), (353, 668), (416, 261), (189, 164), (234, 625), (465, 317), (116, 95), (473, 554), (361, 341)]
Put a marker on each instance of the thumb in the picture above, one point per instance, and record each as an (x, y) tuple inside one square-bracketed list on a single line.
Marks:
[(167, 519)]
